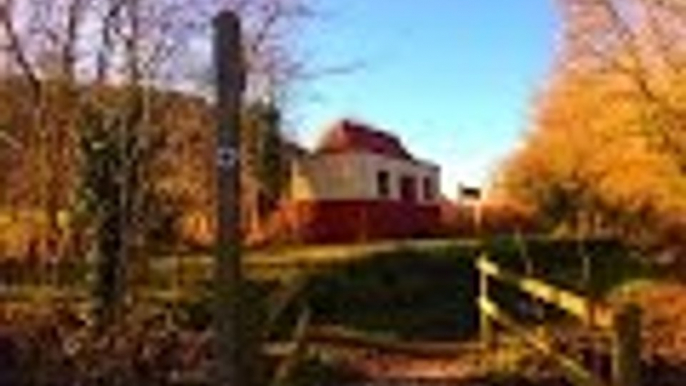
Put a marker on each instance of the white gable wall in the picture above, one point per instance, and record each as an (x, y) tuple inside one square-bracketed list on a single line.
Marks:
[(353, 176)]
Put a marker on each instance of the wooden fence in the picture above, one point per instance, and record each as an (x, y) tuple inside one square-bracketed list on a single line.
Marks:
[(623, 323), (292, 268)]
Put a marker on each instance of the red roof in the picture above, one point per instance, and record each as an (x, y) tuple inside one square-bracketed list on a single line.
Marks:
[(349, 136)]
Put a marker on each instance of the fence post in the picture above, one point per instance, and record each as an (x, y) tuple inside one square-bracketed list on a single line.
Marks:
[(626, 346), (485, 325)]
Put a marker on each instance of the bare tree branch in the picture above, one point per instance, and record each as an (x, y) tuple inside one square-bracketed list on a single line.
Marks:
[(16, 48), (9, 140)]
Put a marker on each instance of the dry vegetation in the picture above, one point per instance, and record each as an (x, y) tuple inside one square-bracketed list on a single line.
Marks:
[(605, 154), (99, 76)]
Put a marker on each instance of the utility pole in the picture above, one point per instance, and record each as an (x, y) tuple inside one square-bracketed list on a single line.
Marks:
[(230, 79)]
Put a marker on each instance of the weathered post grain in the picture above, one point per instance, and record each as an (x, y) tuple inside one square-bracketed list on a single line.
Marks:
[(230, 370), (485, 323), (626, 346)]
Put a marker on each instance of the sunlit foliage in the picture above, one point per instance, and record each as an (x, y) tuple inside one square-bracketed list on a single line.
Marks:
[(605, 152)]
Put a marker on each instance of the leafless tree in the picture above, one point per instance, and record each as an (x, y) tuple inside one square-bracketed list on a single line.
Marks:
[(106, 62)]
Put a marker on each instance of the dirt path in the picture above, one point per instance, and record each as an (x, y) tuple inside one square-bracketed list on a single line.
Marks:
[(462, 365)]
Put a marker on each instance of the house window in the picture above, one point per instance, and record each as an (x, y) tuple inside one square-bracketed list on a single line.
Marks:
[(383, 183), (408, 189), (429, 193)]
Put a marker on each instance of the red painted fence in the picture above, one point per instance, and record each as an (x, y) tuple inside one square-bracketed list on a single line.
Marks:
[(350, 221)]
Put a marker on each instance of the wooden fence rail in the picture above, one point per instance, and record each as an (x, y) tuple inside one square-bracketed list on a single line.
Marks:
[(623, 322)]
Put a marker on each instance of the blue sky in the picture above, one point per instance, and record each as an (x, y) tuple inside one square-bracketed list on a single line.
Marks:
[(453, 78)]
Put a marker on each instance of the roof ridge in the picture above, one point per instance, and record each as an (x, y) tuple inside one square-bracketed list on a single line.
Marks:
[(348, 135)]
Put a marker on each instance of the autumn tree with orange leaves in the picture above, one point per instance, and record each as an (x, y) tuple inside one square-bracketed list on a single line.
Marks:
[(606, 152)]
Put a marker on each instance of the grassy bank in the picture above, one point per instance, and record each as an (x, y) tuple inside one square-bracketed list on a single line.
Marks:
[(423, 290), (431, 293)]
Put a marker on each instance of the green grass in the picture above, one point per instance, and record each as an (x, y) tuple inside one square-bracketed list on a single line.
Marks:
[(430, 293), (423, 290), (425, 294), (561, 261)]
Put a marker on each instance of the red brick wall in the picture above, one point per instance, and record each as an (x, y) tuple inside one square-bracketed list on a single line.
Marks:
[(349, 221)]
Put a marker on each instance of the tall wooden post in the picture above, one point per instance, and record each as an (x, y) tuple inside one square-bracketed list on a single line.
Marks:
[(228, 278), (485, 325), (626, 358)]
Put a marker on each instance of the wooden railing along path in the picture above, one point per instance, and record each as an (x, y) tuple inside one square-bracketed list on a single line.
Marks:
[(622, 322)]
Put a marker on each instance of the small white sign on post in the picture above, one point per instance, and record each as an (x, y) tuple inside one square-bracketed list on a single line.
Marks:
[(227, 157)]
